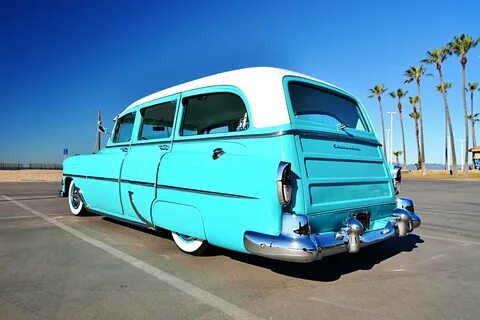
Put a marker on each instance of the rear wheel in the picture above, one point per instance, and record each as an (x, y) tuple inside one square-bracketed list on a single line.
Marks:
[(189, 244), (77, 207)]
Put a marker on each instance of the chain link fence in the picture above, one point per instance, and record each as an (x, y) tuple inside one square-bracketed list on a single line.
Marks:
[(26, 166)]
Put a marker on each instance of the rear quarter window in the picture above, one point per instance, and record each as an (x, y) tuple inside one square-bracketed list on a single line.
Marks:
[(213, 113)]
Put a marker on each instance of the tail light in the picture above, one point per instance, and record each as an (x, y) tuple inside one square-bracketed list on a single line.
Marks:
[(284, 183), (396, 172)]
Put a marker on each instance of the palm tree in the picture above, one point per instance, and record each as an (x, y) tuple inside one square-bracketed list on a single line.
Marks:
[(474, 118), (415, 115), (440, 88), (414, 74), (377, 91), (398, 154), (437, 56), (472, 86), (460, 46), (399, 94)]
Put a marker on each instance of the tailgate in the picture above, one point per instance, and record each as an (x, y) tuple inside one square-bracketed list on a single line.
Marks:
[(339, 175)]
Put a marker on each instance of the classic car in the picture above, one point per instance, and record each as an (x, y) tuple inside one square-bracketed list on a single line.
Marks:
[(259, 160)]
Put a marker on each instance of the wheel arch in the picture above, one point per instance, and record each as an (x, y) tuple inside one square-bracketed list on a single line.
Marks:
[(66, 185)]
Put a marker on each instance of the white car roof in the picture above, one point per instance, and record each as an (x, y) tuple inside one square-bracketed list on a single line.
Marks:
[(262, 86)]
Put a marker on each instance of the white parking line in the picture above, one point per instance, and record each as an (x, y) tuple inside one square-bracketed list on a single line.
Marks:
[(26, 217), (17, 217), (182, 285)]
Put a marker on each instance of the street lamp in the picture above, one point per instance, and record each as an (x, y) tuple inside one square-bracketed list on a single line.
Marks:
[(391, 135), (387, 147)]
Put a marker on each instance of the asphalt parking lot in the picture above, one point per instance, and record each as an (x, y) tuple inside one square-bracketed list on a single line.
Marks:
[(57, 266)]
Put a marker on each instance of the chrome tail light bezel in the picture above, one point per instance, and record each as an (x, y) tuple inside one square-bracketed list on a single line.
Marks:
[(396, 173), (284, 183)]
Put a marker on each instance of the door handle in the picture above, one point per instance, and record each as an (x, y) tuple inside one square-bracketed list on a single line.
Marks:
[(124, 149), (164, 147), (217, 153)]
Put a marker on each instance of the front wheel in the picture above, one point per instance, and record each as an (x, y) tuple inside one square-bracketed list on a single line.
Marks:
[(189, 244), (75, 203)]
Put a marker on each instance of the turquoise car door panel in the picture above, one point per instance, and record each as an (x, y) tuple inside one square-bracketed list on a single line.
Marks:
[(100, 188), (138, 181), (143, 161)]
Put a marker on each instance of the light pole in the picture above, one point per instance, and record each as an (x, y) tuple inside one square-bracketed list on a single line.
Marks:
[(461, 146), (387, 147), (391, 134)]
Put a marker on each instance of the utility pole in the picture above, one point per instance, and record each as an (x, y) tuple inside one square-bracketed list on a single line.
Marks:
[(99, 122), (461, 146), (391, 135), (387, 147)]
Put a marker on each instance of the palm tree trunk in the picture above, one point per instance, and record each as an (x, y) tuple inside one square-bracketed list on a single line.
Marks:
[(383, 127), (403, 138), (417, 134), (464, 96), (446, 142), (474, 138), (449, 121), (424, 169)]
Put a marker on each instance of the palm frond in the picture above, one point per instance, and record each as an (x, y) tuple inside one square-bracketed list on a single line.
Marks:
[(415, 115), (472, 86)]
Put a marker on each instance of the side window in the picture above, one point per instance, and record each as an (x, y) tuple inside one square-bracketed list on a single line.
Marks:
[(157, 121), (213, 113), (123, 131)]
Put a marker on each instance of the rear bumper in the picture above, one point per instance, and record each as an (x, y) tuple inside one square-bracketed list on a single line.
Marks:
[(296, 244)]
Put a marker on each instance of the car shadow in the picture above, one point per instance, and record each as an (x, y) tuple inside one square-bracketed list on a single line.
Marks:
[(326, 270), (333, 267), (159, 232)]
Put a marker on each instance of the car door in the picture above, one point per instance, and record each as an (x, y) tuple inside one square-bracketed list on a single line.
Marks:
[(102, 186), (138, 179)]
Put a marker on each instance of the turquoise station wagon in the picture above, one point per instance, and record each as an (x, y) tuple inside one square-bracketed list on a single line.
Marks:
[(259, 160)]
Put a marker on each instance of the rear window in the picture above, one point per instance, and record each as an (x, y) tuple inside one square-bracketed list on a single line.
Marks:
[(314, 104)]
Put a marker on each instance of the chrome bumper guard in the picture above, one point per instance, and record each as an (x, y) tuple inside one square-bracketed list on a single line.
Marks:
[(297, 244)]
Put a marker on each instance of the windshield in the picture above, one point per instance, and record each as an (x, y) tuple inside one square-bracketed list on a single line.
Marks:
[(314, 104)]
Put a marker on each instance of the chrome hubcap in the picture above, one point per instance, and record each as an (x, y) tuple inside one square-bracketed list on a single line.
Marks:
[(75, 197)]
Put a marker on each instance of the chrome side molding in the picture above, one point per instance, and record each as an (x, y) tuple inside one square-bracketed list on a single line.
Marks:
[(139, 215)]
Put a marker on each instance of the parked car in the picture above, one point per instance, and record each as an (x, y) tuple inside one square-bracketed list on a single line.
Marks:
[(259, 160)]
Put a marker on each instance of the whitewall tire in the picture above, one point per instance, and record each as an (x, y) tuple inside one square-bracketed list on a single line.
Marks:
[(77, 207), (189, 244)]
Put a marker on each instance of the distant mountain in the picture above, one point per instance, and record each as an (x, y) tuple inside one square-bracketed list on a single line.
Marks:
[(430, 166)]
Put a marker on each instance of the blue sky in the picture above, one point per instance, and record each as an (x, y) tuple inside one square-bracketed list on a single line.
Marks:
[(61, 61)]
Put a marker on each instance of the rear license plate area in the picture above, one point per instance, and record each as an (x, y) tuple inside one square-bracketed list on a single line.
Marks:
[(363, 218)]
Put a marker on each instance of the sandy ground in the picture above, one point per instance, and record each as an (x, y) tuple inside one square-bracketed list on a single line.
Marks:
[(56, 175), (440, 175), (30, 175)]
